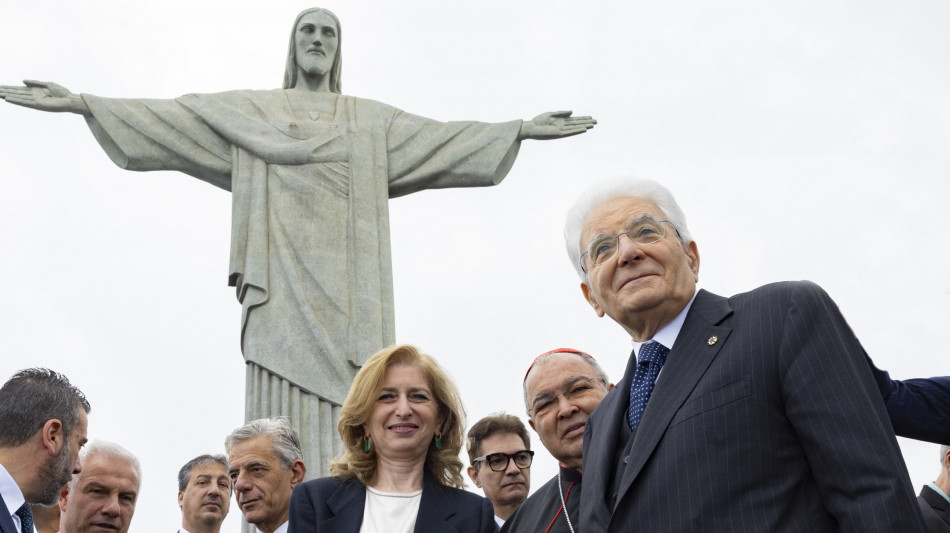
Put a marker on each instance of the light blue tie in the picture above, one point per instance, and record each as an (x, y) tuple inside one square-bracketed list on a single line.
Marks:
[(649, 362), (26, 518)]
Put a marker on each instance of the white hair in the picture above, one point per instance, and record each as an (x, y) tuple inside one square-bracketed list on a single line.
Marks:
[(112, 450), (943, 453), (609, 189)]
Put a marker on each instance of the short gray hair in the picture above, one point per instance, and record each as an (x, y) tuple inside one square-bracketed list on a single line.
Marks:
[(33, 396), (285, 442), (185, 473), (606, 190), (943, 453), (108, 449)]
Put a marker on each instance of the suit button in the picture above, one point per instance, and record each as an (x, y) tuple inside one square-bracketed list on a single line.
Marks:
[(626, 459)]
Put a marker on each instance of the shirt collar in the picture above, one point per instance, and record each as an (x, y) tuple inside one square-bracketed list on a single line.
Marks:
[(668, 333), (281, 529), (939, 491), (12, 495)]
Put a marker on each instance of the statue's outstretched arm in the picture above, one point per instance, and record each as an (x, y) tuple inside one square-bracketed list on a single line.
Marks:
[(45, 96), (554, 125)]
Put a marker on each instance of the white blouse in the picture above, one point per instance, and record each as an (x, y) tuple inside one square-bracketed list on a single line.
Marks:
[(390, 512)]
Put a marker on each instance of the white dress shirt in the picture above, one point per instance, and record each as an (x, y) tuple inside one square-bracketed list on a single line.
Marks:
[(12, 496)]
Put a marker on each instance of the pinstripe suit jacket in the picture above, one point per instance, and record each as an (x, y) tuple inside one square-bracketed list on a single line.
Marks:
[(764, 418)]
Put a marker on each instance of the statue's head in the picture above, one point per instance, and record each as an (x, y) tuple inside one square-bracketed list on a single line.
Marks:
[(290, 72)]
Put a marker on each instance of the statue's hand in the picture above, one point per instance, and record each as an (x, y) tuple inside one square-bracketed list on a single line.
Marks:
[(554, 125), (45, 96)]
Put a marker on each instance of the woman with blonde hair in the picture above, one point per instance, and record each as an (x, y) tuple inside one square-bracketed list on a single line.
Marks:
[(402, 426)]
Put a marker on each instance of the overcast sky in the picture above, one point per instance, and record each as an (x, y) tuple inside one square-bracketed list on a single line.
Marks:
[(804, 140)]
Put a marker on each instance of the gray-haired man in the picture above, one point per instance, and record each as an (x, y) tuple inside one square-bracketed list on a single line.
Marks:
[(42, 428), (265, 463), (204, 494), (103, 496)]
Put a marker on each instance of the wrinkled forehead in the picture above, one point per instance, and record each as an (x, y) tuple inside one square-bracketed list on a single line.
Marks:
[(211, 468), (609, 217), (550, 373)]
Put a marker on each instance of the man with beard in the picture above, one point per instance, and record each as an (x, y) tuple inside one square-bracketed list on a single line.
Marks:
[(42, 428), (204, 494), (102, 497)]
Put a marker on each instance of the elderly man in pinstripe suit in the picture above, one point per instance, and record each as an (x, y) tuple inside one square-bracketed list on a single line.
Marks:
[(751, 413)]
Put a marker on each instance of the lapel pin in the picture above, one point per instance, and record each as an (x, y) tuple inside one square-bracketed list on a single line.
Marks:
[(712, 340)]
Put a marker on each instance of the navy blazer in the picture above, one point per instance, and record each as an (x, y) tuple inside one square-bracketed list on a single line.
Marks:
[(335, 505), (6, 520), (919, 408), (765, 418)]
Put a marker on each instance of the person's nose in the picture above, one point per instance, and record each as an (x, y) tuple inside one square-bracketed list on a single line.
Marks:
[(565, 407), (402, 407), (241, 484), (111, 506), (78, 468), (512, 469), (627, 250)]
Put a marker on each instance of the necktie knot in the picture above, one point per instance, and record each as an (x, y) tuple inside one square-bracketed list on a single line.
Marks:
[(26, 518), (652, 352), (649, 363)]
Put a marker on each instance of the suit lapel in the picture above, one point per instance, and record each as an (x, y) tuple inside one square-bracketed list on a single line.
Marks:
[(692, 354), (601, 454), (6, 520), (434, 509), (347, 505)]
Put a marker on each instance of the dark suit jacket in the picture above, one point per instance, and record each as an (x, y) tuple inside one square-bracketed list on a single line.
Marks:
[(764, 418), (6, 521), (919, 408), (332, 505), (936, 510)]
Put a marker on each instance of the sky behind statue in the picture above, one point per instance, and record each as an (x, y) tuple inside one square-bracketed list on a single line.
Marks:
[(806, 141)]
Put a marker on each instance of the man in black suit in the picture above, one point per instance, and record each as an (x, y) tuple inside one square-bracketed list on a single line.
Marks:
[(42, 428), (934, 499), (763, 416)]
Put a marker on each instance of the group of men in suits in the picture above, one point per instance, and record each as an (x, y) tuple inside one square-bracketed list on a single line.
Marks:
[(764, 416), (45, 461)]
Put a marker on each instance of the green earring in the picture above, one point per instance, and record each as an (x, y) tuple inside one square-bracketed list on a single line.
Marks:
[(438, 443), (367, 444)]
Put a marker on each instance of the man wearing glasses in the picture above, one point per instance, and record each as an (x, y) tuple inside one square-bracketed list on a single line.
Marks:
[(561, 389), (499, 451), (751, 413)]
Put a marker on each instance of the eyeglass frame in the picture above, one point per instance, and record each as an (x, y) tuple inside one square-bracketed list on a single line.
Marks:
[(565, 390), (509, 456), (616, 237)]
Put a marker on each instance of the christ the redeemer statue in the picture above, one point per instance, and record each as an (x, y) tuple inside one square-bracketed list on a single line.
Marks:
[(311, 172)]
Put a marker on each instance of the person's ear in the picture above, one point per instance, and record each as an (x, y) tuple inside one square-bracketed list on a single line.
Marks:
[(588, 295)]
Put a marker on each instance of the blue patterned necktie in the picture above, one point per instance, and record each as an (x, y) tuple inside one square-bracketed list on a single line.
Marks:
[(26, 518), (649, 362)]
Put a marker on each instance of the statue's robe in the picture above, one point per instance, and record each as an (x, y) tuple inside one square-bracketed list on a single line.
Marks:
[(310, 250)]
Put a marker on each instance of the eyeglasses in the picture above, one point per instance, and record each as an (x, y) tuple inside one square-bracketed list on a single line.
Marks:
[(499, 461), (575, 389), (642, 230)]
